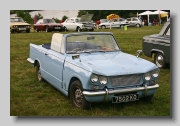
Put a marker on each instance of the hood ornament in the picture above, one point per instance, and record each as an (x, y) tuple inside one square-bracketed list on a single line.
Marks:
[(139, 52)]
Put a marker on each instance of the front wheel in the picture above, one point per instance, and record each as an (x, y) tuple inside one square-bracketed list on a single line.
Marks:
[(159, 60), (38, 72), (148, 98), (76, 96)]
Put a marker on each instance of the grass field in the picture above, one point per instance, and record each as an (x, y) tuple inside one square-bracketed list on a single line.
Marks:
[(28, 97)]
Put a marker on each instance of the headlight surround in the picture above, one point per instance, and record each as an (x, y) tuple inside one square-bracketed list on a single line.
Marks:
[(103, 80), (94, 78), (147, 76), (155, 73)]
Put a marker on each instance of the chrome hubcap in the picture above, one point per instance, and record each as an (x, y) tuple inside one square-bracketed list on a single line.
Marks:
[(39, 75), (78, 97), (159, 60)]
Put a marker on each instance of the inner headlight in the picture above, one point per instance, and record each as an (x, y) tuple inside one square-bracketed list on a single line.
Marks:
[(103, 80), (147, 76), (94, 78), (155, 73)]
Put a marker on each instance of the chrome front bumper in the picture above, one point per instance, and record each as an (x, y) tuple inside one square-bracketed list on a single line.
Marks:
[(129, 90)]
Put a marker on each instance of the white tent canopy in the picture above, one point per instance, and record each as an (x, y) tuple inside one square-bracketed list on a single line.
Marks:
[(157, 12), (146, 13)]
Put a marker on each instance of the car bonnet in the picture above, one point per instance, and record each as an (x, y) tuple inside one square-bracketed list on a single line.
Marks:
[(86, 18), (114, 63)]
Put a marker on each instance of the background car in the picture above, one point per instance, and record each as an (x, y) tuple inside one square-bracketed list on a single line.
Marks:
[(47, 25), (114, 23), (79, 23), (101, 21), (159, 45), (134, 21), (17, 24)]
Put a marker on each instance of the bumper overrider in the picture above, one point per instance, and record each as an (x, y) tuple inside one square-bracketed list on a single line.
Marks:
[(106, 93)]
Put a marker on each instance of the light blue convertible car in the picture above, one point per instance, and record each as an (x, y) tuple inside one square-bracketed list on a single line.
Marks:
[(90, 67)]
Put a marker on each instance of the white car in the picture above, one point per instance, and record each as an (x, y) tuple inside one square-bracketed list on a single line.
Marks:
[(79, 23), (134, 21), (114, 23)]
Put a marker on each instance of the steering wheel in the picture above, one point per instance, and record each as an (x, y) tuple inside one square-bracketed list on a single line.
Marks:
[(77, 49)]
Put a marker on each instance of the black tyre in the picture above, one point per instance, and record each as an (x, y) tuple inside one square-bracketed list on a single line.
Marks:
[(38, 72), (148, 98), (46, 29), (103, 27), (92, 29), (28, 31), (137, 25), (159, 60), (76, 96), (65, 29), (36, 29), (78, 29)]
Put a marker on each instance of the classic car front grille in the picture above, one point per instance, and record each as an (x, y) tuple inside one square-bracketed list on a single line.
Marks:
[(88, 25), (22, 26), (125, 80)]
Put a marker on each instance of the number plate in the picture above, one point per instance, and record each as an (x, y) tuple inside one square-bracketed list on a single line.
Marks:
[(57, 27), (125, 98), (22, 28)]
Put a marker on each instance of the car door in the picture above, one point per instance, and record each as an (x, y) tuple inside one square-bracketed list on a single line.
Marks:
[(54, 62), (73, 24), (68, 24), (116, 23)]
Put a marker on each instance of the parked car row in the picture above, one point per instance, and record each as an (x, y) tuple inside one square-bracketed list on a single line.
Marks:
[(120, 23), (83, 23)]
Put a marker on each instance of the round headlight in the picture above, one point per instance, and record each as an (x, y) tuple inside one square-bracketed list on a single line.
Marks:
[(103, 80), (94, 78), (155, 73), (147, 76)]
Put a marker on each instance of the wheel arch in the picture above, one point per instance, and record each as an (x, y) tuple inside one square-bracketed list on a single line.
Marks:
[(153, 51), (70, 82)]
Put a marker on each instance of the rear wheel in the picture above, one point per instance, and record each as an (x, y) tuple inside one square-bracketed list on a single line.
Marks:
[(28, 31), (103, 27), (47, 29), (121, 26), (137, 25), (159, 60), (78, 29), (76, 96)]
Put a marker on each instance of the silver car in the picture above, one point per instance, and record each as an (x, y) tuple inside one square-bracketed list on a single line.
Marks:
[(114, 23), (134, 21)]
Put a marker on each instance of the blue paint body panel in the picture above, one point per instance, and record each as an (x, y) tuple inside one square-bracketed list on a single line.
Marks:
[(59, 68)]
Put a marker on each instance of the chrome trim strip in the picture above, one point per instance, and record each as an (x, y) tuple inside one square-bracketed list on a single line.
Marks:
[(30, 60), (97, 93)]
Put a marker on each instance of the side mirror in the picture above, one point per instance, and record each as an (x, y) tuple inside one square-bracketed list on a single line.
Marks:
[(139, 52)]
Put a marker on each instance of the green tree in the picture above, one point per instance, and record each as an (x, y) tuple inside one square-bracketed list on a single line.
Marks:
[(64, 17), (25, 15), (56, 20)]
